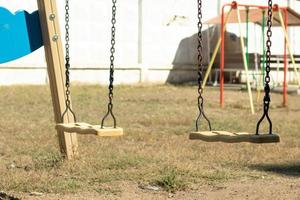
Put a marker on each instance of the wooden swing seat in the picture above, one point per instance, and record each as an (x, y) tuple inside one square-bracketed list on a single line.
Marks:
[(88, 129), (230, 137)]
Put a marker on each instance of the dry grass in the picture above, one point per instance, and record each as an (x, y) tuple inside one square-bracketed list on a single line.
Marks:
[(156, 150)]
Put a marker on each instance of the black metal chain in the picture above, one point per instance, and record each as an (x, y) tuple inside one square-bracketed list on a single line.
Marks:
[(200, 70), (267, 98), (67, 63), (112, 68)]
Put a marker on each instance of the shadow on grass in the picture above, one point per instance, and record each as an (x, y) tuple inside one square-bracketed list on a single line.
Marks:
[(288, 169), (7, 197)]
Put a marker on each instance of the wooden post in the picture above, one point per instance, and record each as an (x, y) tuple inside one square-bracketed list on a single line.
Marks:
[(55, 65)]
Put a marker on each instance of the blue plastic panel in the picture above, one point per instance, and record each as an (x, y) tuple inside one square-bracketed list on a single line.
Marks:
[(20, 34)]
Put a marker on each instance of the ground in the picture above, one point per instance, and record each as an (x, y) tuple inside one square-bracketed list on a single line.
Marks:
[(155, 159)]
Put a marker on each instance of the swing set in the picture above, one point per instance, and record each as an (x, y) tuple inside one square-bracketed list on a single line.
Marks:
[(41, 28), (244, 13)]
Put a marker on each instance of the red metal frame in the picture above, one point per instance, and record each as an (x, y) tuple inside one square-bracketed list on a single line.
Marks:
[(234, 5)]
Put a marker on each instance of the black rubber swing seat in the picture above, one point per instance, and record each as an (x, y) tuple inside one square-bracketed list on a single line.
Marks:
[(88, 129), (230, 137)]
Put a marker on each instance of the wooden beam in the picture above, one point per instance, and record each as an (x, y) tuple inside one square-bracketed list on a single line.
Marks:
[(55, 65)]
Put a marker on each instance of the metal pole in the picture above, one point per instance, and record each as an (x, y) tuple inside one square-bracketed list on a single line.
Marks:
[(222, 59), (284, 103), (245, 61), (140, 32), (289, 48), (144, 70), (216, 50)]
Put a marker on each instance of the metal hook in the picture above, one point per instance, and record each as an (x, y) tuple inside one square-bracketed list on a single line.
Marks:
[(68, 108), (265, 114), (201, 113), (109, 112)]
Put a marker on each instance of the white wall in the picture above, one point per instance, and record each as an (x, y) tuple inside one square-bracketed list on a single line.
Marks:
[(90, 39)]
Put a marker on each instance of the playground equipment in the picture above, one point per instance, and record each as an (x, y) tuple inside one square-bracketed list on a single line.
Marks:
[(23, 33), (81, 127), (282, 17), (230, 137)]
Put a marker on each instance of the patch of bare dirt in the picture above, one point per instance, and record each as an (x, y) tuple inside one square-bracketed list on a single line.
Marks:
[(279, 189)]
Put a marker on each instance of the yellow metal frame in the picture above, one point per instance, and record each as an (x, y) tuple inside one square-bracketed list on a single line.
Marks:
[(288, 44)]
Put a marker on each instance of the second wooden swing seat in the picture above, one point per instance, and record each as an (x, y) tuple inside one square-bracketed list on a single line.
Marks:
[(88, 129), (235, 137), (232, 137)]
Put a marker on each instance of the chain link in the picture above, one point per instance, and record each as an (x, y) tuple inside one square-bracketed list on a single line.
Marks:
[(112, 67), (267, 98), (67, 63), (268, 53), (200, 70)]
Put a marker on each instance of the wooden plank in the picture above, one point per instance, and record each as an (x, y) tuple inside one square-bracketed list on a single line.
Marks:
[(230, 137), (88, 129), (55, 65), (265, 138)]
